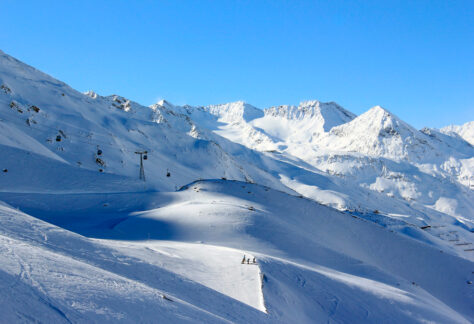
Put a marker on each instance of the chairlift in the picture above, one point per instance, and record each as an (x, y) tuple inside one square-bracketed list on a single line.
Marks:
[(58, 138), (99, 152), (145, 157)]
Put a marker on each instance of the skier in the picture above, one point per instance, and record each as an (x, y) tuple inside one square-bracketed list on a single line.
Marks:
[(248, 261), (243, 260), (254, 260)]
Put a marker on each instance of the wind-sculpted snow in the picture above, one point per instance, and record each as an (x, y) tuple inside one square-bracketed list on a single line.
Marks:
[(170, 249)]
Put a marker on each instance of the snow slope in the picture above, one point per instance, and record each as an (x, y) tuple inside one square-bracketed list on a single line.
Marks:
[(310, 118), (84, 240), (36, 110), (64, 277), (466, 131), (349, 270)]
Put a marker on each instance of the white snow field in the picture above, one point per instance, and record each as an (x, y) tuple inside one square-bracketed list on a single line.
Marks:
[(466, 131), (350, 219)]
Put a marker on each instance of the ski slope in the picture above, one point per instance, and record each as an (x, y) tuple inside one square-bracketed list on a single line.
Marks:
[(194, 239)]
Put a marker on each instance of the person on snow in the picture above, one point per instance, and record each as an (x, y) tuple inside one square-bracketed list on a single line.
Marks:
[(254, 260), (243, 260)]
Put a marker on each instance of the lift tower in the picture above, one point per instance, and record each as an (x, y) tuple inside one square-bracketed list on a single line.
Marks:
[(143, 155)]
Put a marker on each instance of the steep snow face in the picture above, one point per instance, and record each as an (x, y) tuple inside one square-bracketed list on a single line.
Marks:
[(234, 112), (381, 152), (310, 118), (466, 131), (272, 128), (379, 133), (302, 124), (232, 121)]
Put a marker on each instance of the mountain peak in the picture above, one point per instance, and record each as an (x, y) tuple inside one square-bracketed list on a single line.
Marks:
[(163, 102), (379, 132), (378, 110), (309, 103), (91, 93), (323, 115), (235, 111), (379, 116), (466, 131)]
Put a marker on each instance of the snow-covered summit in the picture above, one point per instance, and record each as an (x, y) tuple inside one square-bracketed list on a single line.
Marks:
[(234, 112), (378, 132), (91, 93), (162, 103), (324, 115), (300, 124)]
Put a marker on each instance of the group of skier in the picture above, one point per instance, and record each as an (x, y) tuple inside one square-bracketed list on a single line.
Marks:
[(247, 260)]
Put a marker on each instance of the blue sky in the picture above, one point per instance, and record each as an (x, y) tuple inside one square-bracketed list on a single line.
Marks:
[(415, 58)]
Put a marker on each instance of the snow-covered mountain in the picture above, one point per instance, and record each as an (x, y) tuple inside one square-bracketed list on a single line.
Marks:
[(54, 121), (379, 133), (427, 170), (310, 118), (350, 218), (466, 131)]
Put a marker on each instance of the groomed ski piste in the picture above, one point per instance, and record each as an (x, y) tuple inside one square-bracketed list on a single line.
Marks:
[(82, 241)]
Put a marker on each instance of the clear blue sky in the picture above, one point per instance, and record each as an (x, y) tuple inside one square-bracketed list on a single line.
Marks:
[(415, 58)]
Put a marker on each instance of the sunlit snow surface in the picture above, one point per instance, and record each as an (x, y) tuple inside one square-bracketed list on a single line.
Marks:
[(313, 262), (84, 240)]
